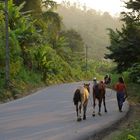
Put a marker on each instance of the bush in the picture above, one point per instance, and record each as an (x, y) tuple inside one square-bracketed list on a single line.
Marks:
[(135, 73), (130, 137)]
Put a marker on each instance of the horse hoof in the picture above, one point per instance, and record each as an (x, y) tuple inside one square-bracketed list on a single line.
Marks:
[(84, 118), (99, 114), (105, 111), (93, 115), (79, 119)]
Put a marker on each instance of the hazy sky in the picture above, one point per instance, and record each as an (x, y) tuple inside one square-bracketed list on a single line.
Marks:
[(111, 6)]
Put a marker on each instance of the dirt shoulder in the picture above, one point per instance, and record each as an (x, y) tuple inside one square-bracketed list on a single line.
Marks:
[(126, 122)]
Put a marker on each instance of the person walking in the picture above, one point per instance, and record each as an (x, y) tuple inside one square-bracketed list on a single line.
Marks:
[(107, 79), (120, 88), (95, 87)]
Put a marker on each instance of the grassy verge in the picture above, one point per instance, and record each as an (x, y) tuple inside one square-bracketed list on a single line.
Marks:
[(133, 92), (130, 133), (20, 85), (129, 129)]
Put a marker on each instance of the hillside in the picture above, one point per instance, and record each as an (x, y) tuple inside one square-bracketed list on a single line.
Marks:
[(92, 26)]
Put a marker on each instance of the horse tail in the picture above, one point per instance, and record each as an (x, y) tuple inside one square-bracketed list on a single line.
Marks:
[(77, 97)]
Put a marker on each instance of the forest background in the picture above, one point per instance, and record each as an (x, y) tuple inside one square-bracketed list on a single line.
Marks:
[(51, 44)]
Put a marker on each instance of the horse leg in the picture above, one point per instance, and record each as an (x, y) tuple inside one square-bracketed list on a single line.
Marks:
[(94, 104), (84, 110), (79, 113), (77, 109), (100, 102), (104, 104)]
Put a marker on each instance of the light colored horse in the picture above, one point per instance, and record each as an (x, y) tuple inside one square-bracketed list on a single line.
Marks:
[(80, 99), (99, 94)]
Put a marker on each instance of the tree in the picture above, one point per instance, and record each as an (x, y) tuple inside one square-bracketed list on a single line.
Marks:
[(75, 40), (124, 48), (74, 47), (49, 22), (53, 22), (22, 33), (36, 6)]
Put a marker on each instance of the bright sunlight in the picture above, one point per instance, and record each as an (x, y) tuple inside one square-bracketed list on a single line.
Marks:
[(112, 6)]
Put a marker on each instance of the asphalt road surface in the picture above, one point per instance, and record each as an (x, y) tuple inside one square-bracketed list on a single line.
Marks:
[(49, 114)]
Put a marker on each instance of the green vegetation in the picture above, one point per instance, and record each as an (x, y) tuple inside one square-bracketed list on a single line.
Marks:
[(128, 130), (42, 52), (91, 24), (130, 133), (124, 48), (125, 51), (46, 49)]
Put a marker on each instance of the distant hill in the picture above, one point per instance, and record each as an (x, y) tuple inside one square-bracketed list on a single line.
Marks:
[(92, 26)]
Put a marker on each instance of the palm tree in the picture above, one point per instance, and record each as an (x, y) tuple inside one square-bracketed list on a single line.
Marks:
[(36, 6)]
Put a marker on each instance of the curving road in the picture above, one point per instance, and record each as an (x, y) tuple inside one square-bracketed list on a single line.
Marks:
[(49, 114)]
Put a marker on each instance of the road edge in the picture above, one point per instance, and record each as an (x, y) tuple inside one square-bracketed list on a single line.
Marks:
[(100, 134)]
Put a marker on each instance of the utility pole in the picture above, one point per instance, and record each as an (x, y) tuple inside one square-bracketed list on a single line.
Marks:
[(86, 59), (7, 52)]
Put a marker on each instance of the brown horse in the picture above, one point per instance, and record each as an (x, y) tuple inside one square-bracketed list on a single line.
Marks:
[(80, 99), (99, 94)]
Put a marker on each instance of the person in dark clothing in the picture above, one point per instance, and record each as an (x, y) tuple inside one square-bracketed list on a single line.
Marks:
[(107, 79)]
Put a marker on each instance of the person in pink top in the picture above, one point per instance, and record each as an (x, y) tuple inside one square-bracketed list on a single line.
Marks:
[(120, 88)]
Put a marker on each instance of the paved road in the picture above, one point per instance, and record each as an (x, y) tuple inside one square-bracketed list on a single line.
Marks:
[(49, 114)]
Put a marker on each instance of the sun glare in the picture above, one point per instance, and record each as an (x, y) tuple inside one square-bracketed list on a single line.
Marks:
[(111, 6)]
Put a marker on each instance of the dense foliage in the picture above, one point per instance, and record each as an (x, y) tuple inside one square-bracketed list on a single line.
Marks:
[(41, 51), (125, 44), (125, 51)]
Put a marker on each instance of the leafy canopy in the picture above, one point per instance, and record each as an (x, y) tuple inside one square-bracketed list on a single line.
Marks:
[(125, 44)]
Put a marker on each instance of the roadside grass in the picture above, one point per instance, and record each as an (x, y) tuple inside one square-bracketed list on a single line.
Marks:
[(133, 92), (131, 130), (20, 85)]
